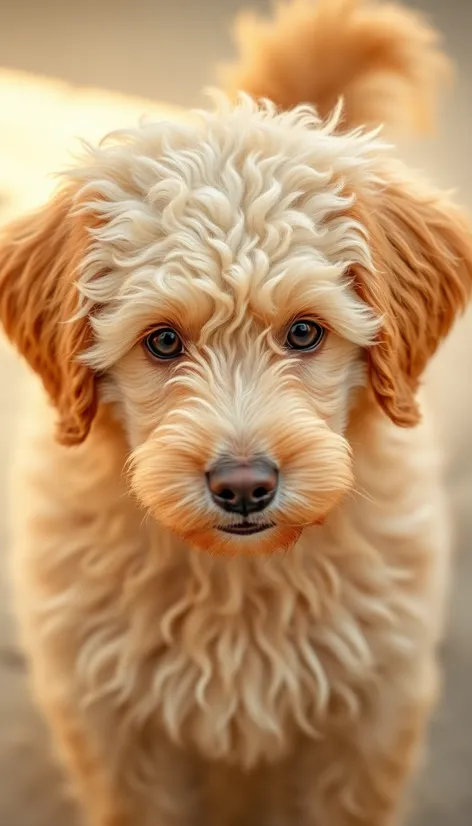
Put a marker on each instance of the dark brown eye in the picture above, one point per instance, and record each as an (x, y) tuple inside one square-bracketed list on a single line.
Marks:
[(164, 343), (305, 335)]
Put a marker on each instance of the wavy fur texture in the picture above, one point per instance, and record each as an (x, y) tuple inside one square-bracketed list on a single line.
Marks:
[(384, 60), (191, 675)]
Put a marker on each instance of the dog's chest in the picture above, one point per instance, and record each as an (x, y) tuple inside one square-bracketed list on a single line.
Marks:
[(237, 655)]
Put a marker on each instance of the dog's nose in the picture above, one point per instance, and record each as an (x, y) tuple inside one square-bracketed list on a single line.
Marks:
[(243, 488)]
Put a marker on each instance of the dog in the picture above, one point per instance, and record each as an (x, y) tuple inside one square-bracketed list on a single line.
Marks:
[(231, 541)]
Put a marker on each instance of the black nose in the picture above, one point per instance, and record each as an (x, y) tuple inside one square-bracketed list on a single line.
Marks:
[(243, 487)]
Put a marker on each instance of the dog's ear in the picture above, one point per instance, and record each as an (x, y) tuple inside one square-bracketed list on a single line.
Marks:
[(39, 259), (422, 252)]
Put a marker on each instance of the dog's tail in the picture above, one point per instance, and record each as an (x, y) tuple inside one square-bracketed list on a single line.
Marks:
[(382, 59)]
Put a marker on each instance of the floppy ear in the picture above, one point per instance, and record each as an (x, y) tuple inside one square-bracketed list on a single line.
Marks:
[(39, 257), (422, 251)]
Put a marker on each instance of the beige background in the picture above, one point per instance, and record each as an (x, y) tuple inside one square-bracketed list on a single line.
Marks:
[(166, 51)]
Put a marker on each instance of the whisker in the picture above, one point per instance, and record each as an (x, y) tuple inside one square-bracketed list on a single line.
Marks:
[(363, 495)]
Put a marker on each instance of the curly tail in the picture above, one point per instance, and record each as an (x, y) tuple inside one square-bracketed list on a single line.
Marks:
[(381, 58)]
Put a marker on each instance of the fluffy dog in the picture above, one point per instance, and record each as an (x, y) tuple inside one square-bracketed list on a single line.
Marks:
[(231, 546)]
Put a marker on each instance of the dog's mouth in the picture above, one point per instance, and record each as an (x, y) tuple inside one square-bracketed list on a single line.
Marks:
[(245, 528)]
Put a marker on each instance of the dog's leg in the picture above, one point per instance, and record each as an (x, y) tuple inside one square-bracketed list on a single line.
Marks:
[(105, 778), (100, 798), (352, 780)]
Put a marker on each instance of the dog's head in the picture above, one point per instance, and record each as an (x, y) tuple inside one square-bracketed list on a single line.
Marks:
[(242, 280)]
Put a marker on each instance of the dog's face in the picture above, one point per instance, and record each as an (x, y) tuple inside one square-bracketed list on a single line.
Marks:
[(242, 279), (235, 392)]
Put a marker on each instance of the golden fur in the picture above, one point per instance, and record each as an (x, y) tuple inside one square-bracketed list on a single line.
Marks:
[(40, 256), (381, 57), (192, 676), (421, 251)]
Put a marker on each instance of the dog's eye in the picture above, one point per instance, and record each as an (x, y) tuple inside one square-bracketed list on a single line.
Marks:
[(305, 335), (164, 343)]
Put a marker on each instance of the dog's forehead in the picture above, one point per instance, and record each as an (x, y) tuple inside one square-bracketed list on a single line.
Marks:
[(224, 200), (225, 220)]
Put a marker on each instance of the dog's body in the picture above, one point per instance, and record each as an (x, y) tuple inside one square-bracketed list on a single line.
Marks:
[(319, 661), (193, 676)]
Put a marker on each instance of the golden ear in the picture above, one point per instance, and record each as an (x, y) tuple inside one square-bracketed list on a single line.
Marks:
[(422, 249), (39, 257)]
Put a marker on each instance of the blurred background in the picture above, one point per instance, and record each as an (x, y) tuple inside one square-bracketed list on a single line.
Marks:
[(81, 68)]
